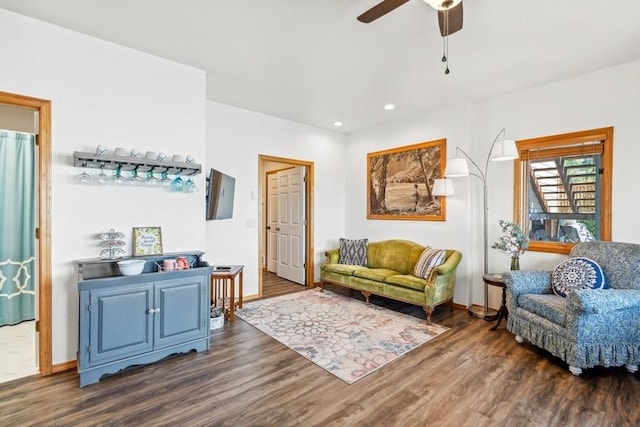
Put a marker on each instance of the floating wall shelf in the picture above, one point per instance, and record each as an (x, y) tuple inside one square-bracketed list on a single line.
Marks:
[(94, 161)]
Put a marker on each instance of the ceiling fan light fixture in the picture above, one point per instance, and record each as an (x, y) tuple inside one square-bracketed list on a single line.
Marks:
[(442, 4)]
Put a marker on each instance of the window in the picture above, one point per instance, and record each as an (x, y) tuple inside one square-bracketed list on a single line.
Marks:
[(563, 189)]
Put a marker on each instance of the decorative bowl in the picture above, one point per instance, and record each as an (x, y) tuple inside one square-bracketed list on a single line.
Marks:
[(131, 267)]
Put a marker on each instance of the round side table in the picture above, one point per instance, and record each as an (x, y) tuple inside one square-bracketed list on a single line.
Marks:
[(495, 279)]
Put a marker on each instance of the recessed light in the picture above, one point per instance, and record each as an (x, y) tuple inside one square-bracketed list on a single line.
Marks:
[(337, 123), (389, 107)]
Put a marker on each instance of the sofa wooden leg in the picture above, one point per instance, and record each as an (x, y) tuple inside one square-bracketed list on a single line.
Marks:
[(428, 309), (366, 296), (321, 286)]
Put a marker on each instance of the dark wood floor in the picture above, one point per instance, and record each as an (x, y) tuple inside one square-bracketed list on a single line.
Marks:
[(468, 376), (273, 286)]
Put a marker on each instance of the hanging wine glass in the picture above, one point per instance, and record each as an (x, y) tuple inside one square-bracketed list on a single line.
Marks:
[(136, 179), (177, 184), (84, 177), (117, 178), (102, 178), (128, 180), (151, 180), (165, 181), (190, 186)]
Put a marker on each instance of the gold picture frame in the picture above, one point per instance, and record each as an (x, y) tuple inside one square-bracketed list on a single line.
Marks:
[(400, 182), (147, 241)]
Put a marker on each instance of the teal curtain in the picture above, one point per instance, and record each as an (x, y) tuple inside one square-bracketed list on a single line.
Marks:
[(17, 225)]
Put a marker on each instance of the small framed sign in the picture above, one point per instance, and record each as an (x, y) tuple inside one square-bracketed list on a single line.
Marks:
[(147, 241)]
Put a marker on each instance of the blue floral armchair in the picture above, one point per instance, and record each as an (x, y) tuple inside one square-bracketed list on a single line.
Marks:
[(590, 327)]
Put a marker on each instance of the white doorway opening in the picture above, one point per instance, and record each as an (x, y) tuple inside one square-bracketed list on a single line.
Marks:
[(43, 231), (286, 231), (286, 223)]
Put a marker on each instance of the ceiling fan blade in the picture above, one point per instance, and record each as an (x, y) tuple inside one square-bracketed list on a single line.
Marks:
[(455, 20), (380, 9)]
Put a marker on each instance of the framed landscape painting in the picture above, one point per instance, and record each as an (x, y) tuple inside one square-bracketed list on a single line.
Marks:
[(400, 182)]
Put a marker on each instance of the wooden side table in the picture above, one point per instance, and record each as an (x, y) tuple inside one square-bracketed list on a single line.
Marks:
[(495, 279), (220, 278)]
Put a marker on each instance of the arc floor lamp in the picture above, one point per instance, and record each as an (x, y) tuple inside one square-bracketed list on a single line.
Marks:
[(501, 149)]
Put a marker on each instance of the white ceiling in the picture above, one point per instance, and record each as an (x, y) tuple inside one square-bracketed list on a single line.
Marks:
[(311, 61)]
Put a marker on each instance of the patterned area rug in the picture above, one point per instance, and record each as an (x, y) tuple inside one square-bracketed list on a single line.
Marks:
[(344, 336)]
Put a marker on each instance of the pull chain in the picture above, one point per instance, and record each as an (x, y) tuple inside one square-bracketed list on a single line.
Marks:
[(445, 42), (444, 49)]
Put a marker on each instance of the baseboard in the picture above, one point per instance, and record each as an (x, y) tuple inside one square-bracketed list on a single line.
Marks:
[(250, 297), (478, 306), (63, 367), (459, 306)]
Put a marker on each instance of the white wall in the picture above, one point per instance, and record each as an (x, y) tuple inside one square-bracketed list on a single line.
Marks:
[(102, 93), (235, 139), (451, 123), (609, 97)]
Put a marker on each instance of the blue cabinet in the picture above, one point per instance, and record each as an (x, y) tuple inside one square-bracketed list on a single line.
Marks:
[(119, 325), (132, 320), (182, 311)]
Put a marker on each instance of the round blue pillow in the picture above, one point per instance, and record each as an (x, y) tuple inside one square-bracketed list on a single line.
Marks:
[(577, 273)]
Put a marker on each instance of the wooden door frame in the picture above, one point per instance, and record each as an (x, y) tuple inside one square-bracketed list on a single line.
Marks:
[(43, 233), (309, 186)]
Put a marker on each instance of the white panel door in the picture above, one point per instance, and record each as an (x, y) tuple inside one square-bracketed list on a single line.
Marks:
[(272, 223), (291, 224)]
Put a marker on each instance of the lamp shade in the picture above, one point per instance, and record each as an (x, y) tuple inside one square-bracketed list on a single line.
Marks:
[(442, 187), (504, 150), (456, 168)]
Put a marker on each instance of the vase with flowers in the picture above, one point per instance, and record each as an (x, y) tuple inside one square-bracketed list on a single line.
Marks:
[(513, 242)]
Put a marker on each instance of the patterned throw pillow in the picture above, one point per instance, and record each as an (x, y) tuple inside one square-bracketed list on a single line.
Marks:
[(353, 252), (577, 273), (429, 259)]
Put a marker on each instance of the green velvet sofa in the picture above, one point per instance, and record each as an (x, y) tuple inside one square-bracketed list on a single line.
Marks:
[(389, 273)]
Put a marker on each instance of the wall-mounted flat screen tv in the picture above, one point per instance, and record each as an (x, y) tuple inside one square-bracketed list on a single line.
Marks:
[(220, 192)]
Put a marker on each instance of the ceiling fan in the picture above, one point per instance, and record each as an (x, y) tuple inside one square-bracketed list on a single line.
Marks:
[(449, 13), (449, 18)]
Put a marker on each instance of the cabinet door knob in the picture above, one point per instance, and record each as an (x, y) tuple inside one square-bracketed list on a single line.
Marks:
[(157, 310), (151, 311)]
